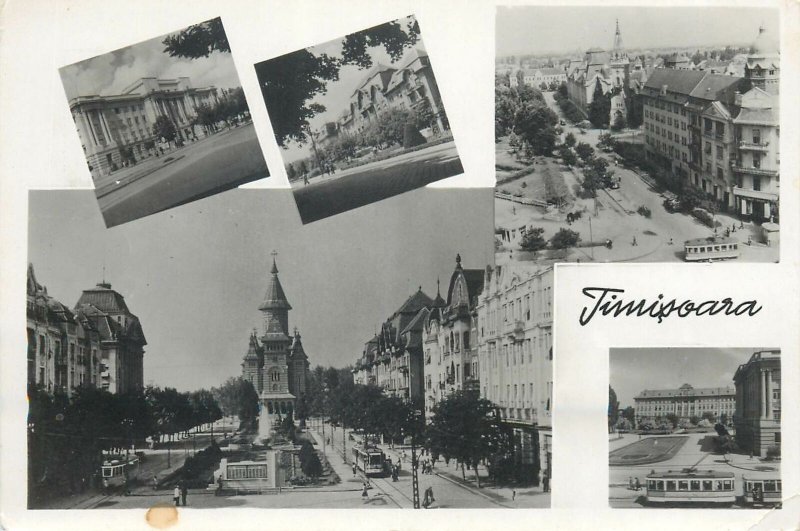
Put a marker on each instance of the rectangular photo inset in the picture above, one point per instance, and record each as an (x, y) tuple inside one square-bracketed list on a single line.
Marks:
[(694, 428), (359, 119), (163, 122), (651, 135), (436, 393)]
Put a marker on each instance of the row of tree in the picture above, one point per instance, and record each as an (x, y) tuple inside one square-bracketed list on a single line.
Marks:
[(66, 436), (522, 114)]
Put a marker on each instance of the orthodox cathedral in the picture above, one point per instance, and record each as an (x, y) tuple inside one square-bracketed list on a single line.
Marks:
[(276, 363)]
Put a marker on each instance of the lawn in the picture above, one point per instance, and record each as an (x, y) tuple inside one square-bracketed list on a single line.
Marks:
[(647, 450)]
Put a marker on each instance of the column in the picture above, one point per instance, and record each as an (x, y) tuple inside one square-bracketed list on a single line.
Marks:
[(768, 394), (763, 404)]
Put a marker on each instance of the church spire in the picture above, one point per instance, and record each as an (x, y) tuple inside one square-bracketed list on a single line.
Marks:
[(274, 298), (618, 40)]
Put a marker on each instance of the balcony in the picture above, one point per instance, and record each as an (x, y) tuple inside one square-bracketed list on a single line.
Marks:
[(714, 135), (753, 170), (754, 146)]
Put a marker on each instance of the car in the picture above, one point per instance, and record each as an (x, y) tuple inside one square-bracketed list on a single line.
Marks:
[(562, 122)]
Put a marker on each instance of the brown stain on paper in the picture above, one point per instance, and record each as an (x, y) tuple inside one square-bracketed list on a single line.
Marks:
[(162, 515)]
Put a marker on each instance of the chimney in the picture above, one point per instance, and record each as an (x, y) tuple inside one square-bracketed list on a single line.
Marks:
[(737, 99)]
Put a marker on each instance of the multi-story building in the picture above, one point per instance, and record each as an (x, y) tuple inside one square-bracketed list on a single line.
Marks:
[(118, 129), (409, 85), (449, 338), (719, 133), (393, 358), (99, 343), (514, 336), (685, 402), (758, 402), (276, 363), (535, 78)]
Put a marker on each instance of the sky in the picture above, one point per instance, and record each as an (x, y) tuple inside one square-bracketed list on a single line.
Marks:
[(195, 275), (546, 29), (110, 73), (633, 370), (337, 96)]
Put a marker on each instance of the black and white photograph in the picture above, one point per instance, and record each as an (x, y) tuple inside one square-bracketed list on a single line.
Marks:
[(208, 371), (163, 122), (359, 118), (650, 135), (695, 428)]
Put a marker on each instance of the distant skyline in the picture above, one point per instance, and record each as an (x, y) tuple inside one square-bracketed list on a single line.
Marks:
[(553, 30), (108, 74), (196, 274), (633, 370)]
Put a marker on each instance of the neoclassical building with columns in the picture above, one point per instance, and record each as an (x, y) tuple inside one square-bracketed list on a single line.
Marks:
[(117, 127), (758, 402)]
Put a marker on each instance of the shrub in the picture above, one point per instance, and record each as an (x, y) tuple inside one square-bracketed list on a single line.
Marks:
[(773, 452), (533, 241), (644, 211), (412, 137), (705, 217), (565, 239)]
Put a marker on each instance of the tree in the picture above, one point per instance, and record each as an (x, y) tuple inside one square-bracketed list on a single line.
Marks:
[(199, 40), (561, 92), (568, 156), (237, 396), (613, 409), (569, 140), (619, 122), (463, 427), (535, 124), (564, 239), (290, 82), (291, 172), (584, 151), (533, 240), (600, 108), (164, 128), (629, 414), (672, 419)]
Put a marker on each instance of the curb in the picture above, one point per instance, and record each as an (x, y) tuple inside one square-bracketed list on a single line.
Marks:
[(472, 490)]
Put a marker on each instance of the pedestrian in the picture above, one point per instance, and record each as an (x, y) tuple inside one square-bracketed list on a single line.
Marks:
[(305, 178), (155, 482), (176, 495), (633, 243), (105, 486), (546, 482), (513, 494), (219, 486), (184, 492), (354, 469), (638, 484), (670, 241), (630, 483), (364, 491), (749, 240)]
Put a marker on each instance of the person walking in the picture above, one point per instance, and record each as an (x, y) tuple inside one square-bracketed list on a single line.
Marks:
[(364, 491), (637, 484), (176, 495), (513, 494), (630, 483), (546, 482), (354, 469), (105, 486), (155, 482)]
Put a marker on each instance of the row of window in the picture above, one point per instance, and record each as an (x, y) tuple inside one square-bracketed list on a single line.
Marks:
[(690, 485)]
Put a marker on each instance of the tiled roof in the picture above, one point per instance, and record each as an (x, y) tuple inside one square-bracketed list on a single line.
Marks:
[(679, 81), (711, 85), (416, 324), (104, 298), (687, 390)]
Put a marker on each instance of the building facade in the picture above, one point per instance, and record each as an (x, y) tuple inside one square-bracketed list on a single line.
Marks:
[(514, 337), (719, 133), (449, 338), (653, 405), (276, 363), (409, 85), (118, 129), (99, 343), (758, 402)]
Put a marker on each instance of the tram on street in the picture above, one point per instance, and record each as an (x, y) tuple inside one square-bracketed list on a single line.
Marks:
[(711, 248), (116, 471), (762, 488), (370, 460), (688, 488)]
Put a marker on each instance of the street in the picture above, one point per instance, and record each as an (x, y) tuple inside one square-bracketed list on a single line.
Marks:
[(349, 189), (203, 168), (613, 215), (697, 451)]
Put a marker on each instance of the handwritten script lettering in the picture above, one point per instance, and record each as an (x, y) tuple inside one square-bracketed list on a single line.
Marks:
[(610, 301)]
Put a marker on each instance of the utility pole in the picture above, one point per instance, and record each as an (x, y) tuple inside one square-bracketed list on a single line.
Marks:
[(414, 477)]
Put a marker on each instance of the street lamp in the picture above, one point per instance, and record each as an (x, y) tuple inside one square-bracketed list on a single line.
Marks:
[(415, 415)]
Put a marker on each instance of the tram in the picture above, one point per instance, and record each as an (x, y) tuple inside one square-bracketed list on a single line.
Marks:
[(711, 248), (115, 471), (698, 487), (762, 488), (371, 460)]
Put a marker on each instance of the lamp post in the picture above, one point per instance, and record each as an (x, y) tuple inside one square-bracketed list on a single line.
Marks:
[(416, 414)]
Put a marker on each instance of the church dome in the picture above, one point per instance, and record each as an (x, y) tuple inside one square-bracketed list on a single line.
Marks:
[(766, 42)]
